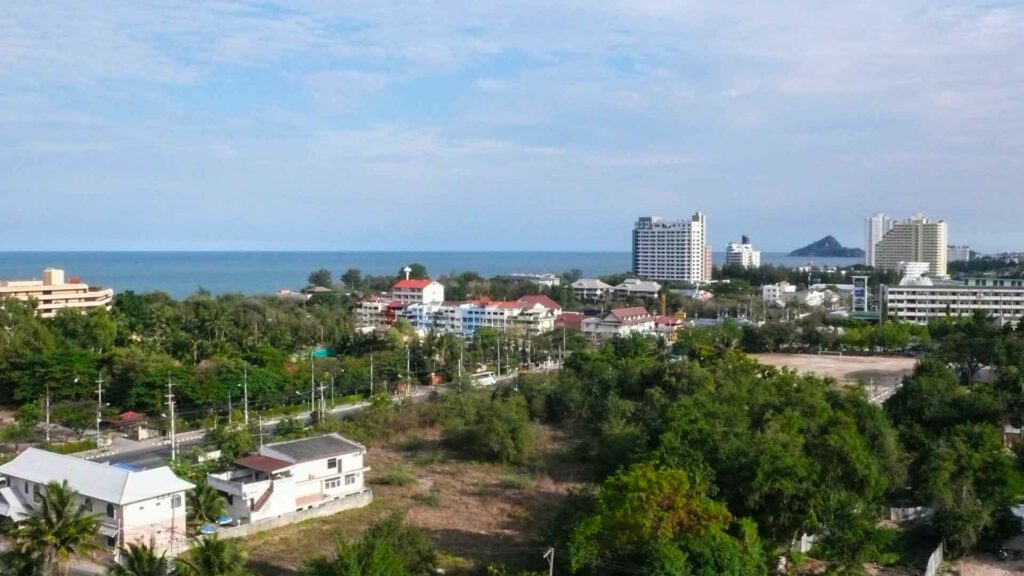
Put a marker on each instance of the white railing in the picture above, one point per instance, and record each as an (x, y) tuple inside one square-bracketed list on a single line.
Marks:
[(934, 562)]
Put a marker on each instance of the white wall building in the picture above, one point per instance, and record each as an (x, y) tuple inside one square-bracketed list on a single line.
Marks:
[(52, 294), (913, 240), (133, 506), (591, 290), (417, 291), (742, 253), (777, 294), (921, 300), (958, 253), (875, 228), (291, 476), (618, 322), (671, 249)]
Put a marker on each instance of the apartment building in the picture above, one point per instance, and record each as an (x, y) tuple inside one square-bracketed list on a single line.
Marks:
[(591, 290), (620, 322), (777, 294), (913, 240), (958, 253), (133, 506), (921, 300), (671, 249), (742, 253), (531, 315), (875, 228), (53, 294), (292, 476)]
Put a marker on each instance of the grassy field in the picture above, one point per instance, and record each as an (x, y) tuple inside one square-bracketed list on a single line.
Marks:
[(475, 513), (844, 369)]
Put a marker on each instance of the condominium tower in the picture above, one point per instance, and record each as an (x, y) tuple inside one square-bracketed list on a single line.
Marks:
[(913, 240), (875, 228), (743, 253), (671, 249)]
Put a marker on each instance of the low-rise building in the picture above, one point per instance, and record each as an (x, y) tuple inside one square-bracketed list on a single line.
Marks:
[(291, 476), (52, 294), (922, 300), (146, 506), (618, 322), (418, 292), (777, 294), (591, 290), (636, 288), (542, 280)]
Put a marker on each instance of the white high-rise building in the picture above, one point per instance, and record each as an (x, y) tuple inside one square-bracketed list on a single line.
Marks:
[(913, 240), (742, 253), (875, 228), (671, 249), (958, 253)]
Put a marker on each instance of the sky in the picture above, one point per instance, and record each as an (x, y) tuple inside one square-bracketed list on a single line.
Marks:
[(519, 125)]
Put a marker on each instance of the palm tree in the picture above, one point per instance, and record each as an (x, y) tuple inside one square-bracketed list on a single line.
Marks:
[(211, 556), (14, 563), (58, 528), (139, 560), (205, 504)]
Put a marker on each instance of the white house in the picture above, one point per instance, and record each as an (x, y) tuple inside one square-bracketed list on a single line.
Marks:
[(418, 292), (636, 288), (292, 476), (618, 322), (777, 294), (591, 289), (133, 506)]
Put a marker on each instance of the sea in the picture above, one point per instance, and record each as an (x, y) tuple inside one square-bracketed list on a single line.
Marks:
[(183, 273)]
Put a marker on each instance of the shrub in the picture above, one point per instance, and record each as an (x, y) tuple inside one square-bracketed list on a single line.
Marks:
[(397, 477)]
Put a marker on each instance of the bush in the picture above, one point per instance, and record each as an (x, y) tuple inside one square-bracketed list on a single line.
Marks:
[(515, 481), (431, 499), (496, 429), (397, 477)]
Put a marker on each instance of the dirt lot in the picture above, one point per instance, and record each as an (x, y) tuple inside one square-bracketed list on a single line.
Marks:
[(985, 565), (845, 369), (474, 512)]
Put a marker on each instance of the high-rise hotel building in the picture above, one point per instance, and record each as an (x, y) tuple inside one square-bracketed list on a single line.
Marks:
[(913, 240), (875, 228), (671, 249)]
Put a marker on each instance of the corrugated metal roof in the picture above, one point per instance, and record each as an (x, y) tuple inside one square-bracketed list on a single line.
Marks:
[(312, 448), (92, 479), (262, 463)]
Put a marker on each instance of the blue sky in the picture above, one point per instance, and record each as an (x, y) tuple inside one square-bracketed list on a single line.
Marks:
[(525, 125)]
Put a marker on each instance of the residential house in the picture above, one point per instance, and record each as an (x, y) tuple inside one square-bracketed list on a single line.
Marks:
[(668, 326), (134, 506), (591, 290), (777, 294), (292, 476), (636, 288), (618, 322)]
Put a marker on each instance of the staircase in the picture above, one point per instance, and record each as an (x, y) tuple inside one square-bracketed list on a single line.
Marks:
[(262, 501)]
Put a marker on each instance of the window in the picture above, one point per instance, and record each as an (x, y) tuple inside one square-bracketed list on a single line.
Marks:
[(350, 479), (332, 483), (35, 493), (111, 541), (332, 463), (110, 510), (87, 504), (176, 501)]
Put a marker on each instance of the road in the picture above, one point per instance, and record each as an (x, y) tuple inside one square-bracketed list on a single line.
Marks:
[(159, 454)]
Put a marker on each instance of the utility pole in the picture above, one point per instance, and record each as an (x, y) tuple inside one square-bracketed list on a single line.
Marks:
[(170, 406), (312, 385), (550, 557), (245, 391), (229, 405), (371, 374), (261, 430), (99, 408), (47, 412), (499, 354), (462, 347), (323, 407)]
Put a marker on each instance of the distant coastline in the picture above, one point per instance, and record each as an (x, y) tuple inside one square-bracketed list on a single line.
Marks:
[(182, 273)]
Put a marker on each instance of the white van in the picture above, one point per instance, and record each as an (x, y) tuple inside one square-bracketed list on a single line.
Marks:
[(483, 379)]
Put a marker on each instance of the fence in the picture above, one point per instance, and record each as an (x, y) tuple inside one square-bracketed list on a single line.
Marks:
[(349, 502), (934, 562)]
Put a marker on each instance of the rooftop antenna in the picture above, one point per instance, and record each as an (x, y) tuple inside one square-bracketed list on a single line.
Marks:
[(407, 271)]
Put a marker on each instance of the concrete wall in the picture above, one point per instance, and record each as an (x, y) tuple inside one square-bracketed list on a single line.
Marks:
[(350, 502)]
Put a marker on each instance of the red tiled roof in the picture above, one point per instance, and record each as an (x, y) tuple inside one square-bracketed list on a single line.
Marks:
[(542, 299), (126, 418), (570, 320), (416, 284), (621, 313), (667, 320), (264, 464)]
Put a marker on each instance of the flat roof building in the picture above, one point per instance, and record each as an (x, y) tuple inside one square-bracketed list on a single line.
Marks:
[(921, 300), (913, 240), (52, 294), (671, 249)]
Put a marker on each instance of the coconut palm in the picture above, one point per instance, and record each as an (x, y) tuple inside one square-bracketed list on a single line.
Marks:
[(15, 563), (205, 504), (139, 560), (58, 528), (212, 556)]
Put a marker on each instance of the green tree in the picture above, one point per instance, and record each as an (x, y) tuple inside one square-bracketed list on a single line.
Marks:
[(418, 271), (58, 528), (388, 548), (353, 278), (205, 504), (139, 560), (212, 556), (492, 428), (321, 277)]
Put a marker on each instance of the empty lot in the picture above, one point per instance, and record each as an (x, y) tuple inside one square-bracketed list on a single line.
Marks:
[(844, 369)]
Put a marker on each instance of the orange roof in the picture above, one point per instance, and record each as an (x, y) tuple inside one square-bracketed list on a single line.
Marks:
[(542, 299), (414, 284), (264, 464)]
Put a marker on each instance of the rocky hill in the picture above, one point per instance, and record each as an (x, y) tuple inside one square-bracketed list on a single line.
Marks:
[(828, 247)]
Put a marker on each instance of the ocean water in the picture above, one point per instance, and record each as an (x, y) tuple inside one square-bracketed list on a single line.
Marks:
[(182, 273)]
